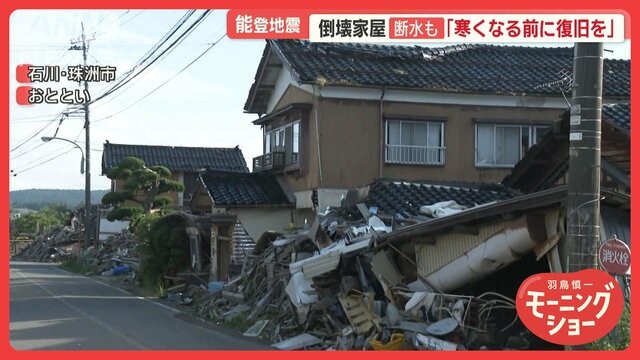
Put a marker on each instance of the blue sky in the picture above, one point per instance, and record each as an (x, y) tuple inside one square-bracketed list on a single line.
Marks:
[(203, 106)]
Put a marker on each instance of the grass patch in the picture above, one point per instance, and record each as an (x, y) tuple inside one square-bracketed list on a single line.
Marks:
[(239, 322), (147, 289), (77, 266)]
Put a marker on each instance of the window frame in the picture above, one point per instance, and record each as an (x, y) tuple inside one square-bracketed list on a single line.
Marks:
[(277, 134), (532, 130), (442, 148)]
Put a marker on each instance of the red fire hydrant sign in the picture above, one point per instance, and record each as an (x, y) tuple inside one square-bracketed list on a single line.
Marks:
[(570, 308), (615, 256)]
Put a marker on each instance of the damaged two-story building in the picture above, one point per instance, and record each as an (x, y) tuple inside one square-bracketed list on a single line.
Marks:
[(338, 116)]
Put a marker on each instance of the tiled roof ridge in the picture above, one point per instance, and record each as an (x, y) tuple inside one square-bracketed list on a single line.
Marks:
[(383, 50), (174, 146)]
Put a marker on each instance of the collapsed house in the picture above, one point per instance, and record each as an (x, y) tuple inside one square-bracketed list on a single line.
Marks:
[(255, 202), (399, 263), (383, 267), (426, 265), (546, 165)]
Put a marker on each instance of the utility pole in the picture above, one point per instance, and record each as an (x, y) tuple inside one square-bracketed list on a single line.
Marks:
[(583, 204), (87, 168)]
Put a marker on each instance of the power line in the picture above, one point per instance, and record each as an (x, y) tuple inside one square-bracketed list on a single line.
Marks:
[(14, 170), (159, 56), (36, 133), (126, 78), (124, 22), (27, 151), (143, 75), (153, 49), (95, 27), (44, 162), (39, 158), (63, 55), (65, 114), (165, 82)]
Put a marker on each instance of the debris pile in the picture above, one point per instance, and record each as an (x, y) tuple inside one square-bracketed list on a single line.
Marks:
[(118, 250), (116, 255), (51, 245), (329, 288)]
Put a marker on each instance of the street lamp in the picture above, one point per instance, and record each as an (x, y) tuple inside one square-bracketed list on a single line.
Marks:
[(87, 188), (49, 138)]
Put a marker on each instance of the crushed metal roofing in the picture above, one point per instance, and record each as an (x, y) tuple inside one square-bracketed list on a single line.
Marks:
[(176, 158), (244, 189), (406, 198), (459, 68)]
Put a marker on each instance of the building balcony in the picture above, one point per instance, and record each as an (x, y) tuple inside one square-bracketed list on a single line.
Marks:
[(415, 155), (276, 160)]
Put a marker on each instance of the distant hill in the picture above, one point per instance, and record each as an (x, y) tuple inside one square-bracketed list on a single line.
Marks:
[(35, 199)]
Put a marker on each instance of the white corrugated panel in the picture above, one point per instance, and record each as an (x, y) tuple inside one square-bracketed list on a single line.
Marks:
[(449, 246), (321, 265)]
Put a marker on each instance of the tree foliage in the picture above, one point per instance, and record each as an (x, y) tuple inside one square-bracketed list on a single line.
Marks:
[(53, 215), (163, 244), (38, 199), (619, 338), (141, 189)]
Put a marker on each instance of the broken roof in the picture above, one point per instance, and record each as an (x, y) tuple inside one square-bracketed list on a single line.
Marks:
[(546, 162), (503, 208), (488, 69), (406, 198), (244, 189), (176, 158)]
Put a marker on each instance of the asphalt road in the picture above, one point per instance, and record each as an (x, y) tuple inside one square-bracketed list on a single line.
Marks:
[(53, 309)]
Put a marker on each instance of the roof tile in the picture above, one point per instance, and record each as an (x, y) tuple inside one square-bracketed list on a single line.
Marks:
[(406, 198), (176, 158), (244, 189), (459, 68)]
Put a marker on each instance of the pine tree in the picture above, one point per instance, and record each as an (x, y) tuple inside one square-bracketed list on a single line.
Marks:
[(141, 191)]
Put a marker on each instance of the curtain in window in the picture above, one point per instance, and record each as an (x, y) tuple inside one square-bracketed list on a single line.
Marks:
[(507, 145), (393, 132), (485, 145)]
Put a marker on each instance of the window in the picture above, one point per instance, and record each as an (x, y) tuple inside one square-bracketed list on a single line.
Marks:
[(415, 142), (504, 145), (295, 143), (284, 142)]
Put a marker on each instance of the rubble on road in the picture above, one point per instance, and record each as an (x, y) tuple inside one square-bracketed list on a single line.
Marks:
[(327, 288), (115, 255), (343, 284), (51, 245), (114, 252)]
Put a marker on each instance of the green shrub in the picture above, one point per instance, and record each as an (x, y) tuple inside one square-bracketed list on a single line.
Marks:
[(163, 245), (619, 338)]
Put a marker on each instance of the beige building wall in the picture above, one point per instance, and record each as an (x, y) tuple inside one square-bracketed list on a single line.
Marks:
[(258, 220), (352, 135), (308, 176)]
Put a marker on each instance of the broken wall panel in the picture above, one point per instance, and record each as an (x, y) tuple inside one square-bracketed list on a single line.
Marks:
[(496, 252), (449, 246)]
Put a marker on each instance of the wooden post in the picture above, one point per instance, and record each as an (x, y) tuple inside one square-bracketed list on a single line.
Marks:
[(214, 253)]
